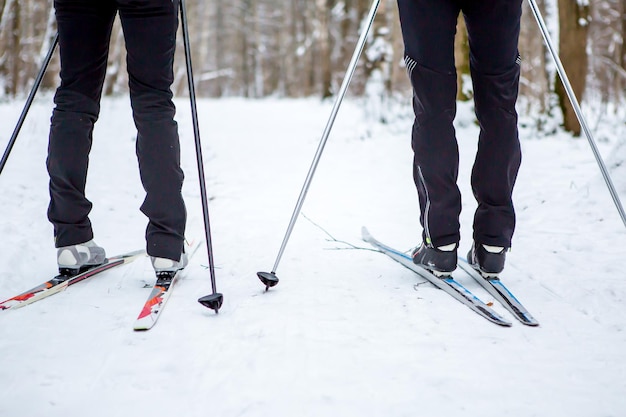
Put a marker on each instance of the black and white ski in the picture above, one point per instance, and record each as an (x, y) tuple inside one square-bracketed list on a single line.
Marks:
[(446, 283), (61, 282), (497, 289)]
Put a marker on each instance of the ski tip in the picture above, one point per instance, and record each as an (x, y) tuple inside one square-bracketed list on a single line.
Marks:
[(268, 278), (498, 319), (6, 305), (528, 320), (145, 323), (365, 234), (213, 301)]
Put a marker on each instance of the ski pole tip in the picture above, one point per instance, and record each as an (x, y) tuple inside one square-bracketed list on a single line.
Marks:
[(268, 278), (212, 301)]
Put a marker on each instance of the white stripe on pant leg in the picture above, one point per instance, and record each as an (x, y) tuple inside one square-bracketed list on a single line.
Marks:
[(427, 207)]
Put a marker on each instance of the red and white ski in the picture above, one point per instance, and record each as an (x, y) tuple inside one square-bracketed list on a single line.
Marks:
[(160, 293), (61, 282)]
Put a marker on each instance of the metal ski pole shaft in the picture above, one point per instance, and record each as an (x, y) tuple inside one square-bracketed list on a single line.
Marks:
[(579, 114), (29, 101), (270, 279), (215, 299)]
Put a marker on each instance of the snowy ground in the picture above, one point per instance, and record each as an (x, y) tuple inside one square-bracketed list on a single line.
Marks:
[(347, 332)]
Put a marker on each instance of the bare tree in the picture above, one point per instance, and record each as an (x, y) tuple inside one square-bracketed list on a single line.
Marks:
[(606, 65), (377, 62), (573, 29), (461, 58), (535, 80), (297, 48)]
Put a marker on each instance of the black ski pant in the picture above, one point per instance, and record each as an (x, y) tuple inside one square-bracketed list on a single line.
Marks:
[(150, 33), (428, 29)]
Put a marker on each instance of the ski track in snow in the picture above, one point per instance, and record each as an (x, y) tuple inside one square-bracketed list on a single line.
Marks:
[(347, 332)]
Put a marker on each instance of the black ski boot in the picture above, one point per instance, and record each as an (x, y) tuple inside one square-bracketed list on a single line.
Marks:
[(488, 260), (439, 262)]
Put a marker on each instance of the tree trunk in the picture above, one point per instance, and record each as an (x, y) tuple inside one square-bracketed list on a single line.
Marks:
[(51, 79), (15, 50), (116, 79), (620, 83), (535, 82), (622, 61), (461, 57), (399, 79), (323, 49), (573, 25), (377, 59)]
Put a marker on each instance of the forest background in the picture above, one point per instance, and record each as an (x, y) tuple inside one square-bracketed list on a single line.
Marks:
[(301, 48)]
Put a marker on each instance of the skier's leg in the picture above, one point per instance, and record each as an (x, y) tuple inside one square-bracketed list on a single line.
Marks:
[(428, 29), (84, 32), (493, 28), (150, 33)]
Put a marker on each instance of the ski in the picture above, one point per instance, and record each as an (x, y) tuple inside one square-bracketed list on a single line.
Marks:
[(495, 287), (446, 283), (61, 282), (160, 293)]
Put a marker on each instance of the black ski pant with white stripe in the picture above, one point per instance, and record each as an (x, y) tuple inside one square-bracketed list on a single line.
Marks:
[(149, 28), (428, 29)]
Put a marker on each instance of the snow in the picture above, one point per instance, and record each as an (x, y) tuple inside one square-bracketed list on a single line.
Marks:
[(347, 332)]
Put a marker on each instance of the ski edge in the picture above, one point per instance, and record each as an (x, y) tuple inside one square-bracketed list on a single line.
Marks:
[(448, 285)]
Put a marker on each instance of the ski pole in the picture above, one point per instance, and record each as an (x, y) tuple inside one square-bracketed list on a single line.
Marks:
[(269, 278), (215, 299), (579, 114), (29, 101)]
